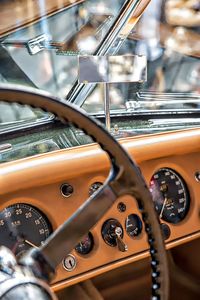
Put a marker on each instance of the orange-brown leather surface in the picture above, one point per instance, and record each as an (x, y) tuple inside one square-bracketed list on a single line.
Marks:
[(37, 181)]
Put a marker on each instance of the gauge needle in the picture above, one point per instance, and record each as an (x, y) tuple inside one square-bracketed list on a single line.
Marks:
[(31, 244), (15, 247), (164, 203)]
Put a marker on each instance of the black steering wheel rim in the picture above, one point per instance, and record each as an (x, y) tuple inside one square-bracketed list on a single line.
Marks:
[(125, 176)]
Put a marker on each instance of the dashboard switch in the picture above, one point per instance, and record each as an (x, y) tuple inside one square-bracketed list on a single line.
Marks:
[(112, 233), (120, 243)]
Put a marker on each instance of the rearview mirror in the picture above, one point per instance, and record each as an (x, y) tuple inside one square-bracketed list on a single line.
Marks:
[(112, 69)]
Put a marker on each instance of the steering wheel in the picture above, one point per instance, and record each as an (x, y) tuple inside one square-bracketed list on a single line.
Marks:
[(125, 178)]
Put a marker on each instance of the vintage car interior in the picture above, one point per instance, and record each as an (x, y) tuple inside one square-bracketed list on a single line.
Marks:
[(99, 178)]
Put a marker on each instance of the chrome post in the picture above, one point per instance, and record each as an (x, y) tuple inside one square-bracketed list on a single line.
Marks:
[(107, 105)]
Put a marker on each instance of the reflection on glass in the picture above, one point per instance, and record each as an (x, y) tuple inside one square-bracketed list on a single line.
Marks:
[(168, 33), (43, 53)]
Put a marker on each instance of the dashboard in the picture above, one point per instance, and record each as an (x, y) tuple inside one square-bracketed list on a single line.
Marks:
[(39, 193)]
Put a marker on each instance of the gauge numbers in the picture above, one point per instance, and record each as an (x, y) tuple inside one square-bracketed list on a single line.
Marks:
[(170, 195), (23, 226)]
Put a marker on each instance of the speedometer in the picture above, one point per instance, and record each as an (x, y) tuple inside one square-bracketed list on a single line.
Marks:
[(170, 195), (23, 226)]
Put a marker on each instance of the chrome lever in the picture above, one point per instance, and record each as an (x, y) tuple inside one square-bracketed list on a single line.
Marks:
[(120, 243)]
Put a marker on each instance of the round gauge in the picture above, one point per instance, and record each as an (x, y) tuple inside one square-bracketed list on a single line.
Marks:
[(23, 226), (86, 245), (170, 195), (133, 225)]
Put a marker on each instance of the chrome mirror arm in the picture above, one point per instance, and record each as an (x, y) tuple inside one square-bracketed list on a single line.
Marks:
[(111, 69)]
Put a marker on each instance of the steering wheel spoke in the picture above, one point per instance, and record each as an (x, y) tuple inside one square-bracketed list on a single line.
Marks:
[(66, 237)]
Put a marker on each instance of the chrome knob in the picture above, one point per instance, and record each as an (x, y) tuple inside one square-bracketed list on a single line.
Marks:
[(120, 243)]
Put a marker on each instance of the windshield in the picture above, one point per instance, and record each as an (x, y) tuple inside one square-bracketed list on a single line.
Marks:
[(40, 42)]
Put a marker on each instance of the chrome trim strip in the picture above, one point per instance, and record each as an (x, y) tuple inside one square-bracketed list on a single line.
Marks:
[(5, 147), (107, 106)]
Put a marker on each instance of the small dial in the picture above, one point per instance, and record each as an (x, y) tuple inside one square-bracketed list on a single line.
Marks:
[(23, 226), (86, 244), (94, 187), (170, 195), (133, 225)]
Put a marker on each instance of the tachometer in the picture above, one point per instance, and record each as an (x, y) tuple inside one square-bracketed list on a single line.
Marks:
[(23, 226), (170, 195)]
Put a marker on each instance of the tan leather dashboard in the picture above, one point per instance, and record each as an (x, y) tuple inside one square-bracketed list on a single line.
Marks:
[(37, 181)]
